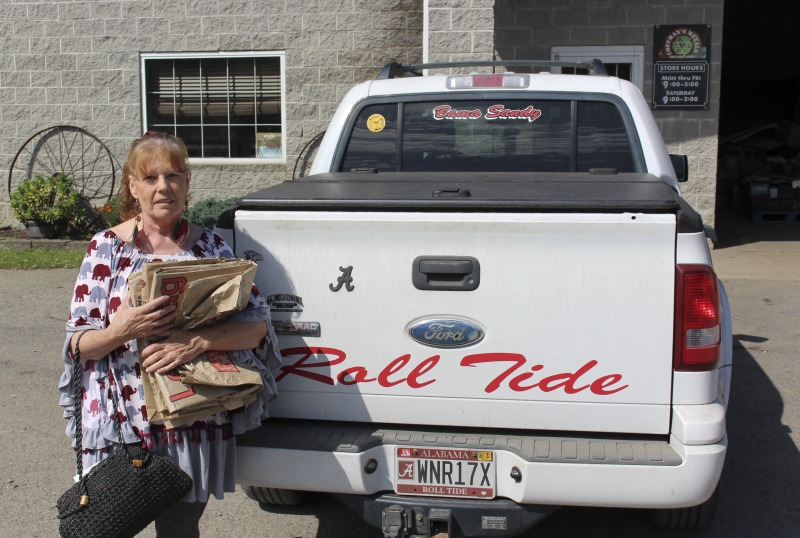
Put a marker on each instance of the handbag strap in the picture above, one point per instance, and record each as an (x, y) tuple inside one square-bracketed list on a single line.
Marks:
[(77, 388)]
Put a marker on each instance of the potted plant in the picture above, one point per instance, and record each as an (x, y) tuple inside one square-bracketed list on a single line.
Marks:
[(49, 206)]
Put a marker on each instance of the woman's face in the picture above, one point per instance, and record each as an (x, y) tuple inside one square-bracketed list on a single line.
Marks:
[(161, 191)]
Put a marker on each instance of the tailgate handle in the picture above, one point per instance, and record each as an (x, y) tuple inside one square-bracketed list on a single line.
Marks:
[(452, 193), (446, 273)]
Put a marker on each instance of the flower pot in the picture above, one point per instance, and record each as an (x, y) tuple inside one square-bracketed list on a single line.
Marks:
[(42, 230)]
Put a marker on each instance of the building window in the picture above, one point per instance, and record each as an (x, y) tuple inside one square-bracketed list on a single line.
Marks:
[(623, 61), (224, 106)]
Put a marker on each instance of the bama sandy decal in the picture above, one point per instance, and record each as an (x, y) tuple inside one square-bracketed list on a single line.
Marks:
[(494, 112), (507, 371)]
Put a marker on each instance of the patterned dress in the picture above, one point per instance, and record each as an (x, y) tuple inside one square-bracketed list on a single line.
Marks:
[(204, 449)]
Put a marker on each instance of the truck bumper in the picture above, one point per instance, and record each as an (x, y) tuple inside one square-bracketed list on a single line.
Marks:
[(399, 516), (358, 459)]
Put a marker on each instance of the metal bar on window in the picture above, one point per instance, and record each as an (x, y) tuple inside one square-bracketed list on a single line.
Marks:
[(202, 119), (228, 104), (174, 101), (398, 158), (573, 137)]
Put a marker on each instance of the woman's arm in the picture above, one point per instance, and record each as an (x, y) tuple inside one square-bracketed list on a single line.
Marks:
[(151, 320), (182, 346)]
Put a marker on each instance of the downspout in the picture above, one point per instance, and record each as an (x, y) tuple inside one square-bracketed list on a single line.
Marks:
[(425, 33)]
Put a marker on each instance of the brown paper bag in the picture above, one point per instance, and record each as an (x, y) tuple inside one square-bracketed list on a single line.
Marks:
[(205, 292)]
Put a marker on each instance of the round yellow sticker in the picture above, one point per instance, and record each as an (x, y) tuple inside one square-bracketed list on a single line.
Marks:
[(376, 123)]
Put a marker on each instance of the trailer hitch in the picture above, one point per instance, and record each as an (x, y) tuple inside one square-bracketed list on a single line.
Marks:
[(439, 523), (398, 522)]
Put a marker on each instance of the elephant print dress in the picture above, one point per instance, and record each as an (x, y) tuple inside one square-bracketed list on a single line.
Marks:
[(204, 449)]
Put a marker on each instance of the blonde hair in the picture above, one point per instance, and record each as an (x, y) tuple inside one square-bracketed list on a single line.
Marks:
[(140, 154)]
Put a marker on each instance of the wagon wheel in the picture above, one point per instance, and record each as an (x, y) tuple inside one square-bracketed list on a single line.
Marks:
[(306, 157), (73, 151)]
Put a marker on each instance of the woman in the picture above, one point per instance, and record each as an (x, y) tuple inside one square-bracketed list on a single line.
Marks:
[(155, 186)]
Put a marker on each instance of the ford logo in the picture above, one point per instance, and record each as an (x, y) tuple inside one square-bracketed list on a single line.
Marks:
[(446, 332)]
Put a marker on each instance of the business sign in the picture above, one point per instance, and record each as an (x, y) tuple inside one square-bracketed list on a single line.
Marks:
[(681, 66)]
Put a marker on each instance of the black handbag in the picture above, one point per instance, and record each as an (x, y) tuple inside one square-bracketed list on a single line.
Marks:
[(122, 494)]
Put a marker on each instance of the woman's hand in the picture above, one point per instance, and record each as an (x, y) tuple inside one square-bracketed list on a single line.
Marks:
[(182, 346), (178, 348), (151, 320)]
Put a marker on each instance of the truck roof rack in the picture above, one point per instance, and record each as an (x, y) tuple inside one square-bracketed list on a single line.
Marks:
[(398, 70)]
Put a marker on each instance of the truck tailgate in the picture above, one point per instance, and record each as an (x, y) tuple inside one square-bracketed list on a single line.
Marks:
[(568, 327)]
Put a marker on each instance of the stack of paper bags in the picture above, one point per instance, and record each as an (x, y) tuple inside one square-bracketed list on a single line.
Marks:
[(204, 291)]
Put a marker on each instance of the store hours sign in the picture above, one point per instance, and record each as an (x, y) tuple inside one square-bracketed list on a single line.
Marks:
[(681, 66)]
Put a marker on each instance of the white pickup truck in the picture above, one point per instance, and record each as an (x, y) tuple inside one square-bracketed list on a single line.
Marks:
[(492, 301)]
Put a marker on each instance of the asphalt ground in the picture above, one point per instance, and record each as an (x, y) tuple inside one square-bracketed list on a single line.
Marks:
[(759, 263)]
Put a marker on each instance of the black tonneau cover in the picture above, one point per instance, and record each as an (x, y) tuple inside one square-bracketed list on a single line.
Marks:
[(477, 191)]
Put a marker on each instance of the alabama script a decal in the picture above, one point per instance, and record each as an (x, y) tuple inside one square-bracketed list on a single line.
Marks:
[(346, 280)]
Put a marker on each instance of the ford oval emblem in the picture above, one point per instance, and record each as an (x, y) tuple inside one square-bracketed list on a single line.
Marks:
[(446, 332)]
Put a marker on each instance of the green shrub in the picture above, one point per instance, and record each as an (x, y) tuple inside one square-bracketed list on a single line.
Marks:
[(206, 212), (52, 200)]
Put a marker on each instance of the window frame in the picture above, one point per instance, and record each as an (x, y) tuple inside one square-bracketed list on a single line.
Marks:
[(280, 55), (632, 54)]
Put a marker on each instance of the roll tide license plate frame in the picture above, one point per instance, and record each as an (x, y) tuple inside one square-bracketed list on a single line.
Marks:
[(445, 472)]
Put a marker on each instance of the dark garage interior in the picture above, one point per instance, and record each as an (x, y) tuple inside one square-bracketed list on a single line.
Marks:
[(759, 128)]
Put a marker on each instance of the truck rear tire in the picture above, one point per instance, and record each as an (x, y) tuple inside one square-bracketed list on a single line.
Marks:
[(274, 497), (692, 517)]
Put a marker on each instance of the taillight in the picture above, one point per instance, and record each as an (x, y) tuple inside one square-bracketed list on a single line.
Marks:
[(506, 80), (697, 318)]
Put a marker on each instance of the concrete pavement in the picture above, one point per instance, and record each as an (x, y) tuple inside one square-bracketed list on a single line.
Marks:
[(757, 261), (756, 250)]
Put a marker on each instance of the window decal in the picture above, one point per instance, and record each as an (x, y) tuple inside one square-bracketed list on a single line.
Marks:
[(376, 123), (493, 112)]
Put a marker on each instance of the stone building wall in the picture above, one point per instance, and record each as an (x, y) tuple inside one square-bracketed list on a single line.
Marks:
[(460, 30), (528, 30), (77, 63)]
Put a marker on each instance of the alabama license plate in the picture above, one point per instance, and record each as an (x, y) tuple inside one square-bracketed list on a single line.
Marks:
[(445, 472)]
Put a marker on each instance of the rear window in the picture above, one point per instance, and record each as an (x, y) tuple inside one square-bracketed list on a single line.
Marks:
[(501, 135)]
